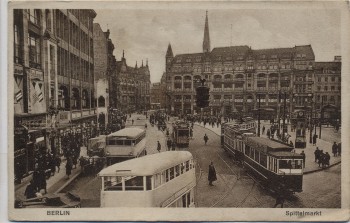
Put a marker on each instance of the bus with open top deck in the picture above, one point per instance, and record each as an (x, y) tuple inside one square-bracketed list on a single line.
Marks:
[(165, 179)]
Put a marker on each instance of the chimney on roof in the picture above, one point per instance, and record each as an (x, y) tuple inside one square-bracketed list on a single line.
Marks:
[(337, 58)]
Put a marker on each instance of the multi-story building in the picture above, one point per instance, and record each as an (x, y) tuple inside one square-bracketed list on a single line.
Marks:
[(241, 78), (133, 86), (328, 87), (53, 79), (105, 75), (158, 96)]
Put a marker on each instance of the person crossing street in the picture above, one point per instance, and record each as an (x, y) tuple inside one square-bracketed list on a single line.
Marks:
[(205, 139)]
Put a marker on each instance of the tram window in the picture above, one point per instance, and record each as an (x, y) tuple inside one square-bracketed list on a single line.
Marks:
[(148, 182), (171, 172), (284, 164), (247, 150), (163, 177), (188, 199), (167, 175), (157, 180), (119, 142), (177, 170), (187, 165), (183, 168), (184, 200), (113, 183), (263, 159), (134, 183), (191, 164), (256, 156), (127, 142)]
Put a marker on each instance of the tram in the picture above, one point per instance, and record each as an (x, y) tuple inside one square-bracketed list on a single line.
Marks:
[(274, 164), (181, 133), (125, 144), (164, 179), (270, 161)]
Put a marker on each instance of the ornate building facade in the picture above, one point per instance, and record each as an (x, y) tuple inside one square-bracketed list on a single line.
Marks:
[(239, 77), (133, 86)]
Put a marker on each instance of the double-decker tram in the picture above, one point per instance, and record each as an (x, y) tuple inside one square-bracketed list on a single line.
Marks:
[(273, 163), (181, 133), (125, 144), (164, 179), (232, 136)]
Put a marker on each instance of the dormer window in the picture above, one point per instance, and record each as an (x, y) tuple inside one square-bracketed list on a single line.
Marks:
[(178, 60)]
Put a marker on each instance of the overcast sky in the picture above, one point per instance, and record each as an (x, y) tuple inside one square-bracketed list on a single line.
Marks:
[(146, 33)]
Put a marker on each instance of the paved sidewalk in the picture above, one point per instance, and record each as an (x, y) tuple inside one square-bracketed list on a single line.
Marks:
[(310, 165), (53, 185)]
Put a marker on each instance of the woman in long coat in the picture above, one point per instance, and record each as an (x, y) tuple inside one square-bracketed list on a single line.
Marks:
[(211, 174)]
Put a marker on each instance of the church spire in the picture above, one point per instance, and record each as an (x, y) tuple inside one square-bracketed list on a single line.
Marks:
[(169, 52), (206, 39)]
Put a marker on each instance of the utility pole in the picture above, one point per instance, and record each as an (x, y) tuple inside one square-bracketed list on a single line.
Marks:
[(259, 115), (284, 114), (279, 113), (321, 117), (311, 126)]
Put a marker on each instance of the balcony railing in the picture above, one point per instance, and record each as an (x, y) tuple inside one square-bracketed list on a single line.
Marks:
[(216, 89), (187, 89), (228, 89)]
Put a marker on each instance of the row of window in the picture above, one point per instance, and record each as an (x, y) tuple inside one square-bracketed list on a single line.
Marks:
[(325, 98), (325, 79), (240, 67), (137, 182), (325, 88), (114, 140), (71, 33)]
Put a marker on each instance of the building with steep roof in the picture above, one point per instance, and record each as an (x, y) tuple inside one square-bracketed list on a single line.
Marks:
[(238, 76), (133, 86)]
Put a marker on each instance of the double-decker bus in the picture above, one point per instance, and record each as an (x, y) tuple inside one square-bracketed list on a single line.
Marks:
[(125, 144), (164, 179), (181, 133)]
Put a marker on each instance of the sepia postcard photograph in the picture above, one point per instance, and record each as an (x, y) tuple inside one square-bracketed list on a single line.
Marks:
[(178, 111)]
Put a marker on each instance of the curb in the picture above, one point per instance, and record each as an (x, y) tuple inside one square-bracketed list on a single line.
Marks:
[(318, 170), (305, 173), (67, 183)]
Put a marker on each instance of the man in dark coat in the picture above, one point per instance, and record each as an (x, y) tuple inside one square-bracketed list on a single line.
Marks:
[(205, 139), (334, 149), (327, 158), (314, 139), (169, 143), (159, 147), (317, 154), (69, 166), (211, 174)]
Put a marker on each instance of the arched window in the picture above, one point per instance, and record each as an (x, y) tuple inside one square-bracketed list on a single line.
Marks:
[(227, 76), (187, 78), (101, 102), (177, 78), (240, 76), (217, 77)]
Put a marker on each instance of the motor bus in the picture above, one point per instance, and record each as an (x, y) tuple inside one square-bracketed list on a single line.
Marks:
[(96, 146), (181, 133), (125, 144), (165, 179)]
